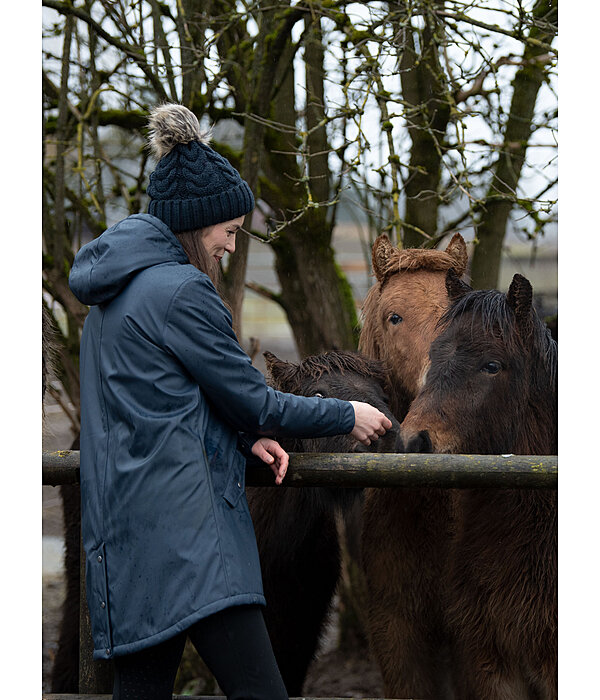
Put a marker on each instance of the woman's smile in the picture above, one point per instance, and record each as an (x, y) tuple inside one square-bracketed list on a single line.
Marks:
[(220, 238)]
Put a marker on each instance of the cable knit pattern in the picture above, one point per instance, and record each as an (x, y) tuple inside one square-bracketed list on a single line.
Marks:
[(193, 186)]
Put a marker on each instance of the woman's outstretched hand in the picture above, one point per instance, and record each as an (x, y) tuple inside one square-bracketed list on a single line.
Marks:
[(271, 452), (369, 422)]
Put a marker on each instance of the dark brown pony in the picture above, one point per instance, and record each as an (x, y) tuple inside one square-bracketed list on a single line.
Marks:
[(492, 388), (407, 532), (296, 528)]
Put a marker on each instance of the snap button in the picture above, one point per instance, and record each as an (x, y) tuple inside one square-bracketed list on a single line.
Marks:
[(102, 604), (239, 485), (108, 652), (99, 559)]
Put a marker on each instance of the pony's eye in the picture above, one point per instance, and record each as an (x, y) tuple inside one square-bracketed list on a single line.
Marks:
[(319, 395), (491, 367), (395, 319)]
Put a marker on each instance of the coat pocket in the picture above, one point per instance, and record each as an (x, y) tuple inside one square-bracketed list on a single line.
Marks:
[(97, 598), (235, 485)]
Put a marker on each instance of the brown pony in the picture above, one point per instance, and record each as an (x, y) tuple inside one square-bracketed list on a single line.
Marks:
[(402, 309), (492, 388), (406, 532)]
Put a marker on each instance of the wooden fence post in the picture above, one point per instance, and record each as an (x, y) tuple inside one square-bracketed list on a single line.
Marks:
[(94, 676)]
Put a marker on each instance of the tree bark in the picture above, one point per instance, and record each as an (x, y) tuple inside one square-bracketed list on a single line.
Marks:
[(499, 201), (269, 47), (425, 90), (314, 291)]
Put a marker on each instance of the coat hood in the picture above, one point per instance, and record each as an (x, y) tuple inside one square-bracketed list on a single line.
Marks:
[(106, 265)]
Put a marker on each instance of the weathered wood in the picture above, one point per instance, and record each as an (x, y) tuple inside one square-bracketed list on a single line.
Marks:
[(94, 676), (378, 470), (416, 470), (60, 467)]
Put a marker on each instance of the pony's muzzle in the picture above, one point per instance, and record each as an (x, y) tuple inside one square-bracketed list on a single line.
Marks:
[(419, 442)]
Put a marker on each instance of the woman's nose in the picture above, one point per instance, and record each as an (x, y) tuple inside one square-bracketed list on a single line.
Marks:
[(230, 245)]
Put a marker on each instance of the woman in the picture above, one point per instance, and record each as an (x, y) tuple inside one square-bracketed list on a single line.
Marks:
[(166, 392)]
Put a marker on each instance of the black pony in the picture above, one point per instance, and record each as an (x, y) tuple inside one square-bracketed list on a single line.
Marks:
[(296, 527)]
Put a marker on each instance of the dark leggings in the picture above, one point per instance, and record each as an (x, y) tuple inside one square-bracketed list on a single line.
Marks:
[(233, 643)]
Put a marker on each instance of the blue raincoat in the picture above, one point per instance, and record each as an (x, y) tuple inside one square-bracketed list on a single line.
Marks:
[(165, 388)]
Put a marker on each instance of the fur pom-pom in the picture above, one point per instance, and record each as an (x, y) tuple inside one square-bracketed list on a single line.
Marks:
[(171, 124)]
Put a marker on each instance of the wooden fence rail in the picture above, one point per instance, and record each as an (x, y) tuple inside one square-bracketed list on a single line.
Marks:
[(323, 469), (373, 469)]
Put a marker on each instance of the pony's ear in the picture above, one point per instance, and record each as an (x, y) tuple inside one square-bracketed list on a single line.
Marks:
[(455, 286), (279, 370), (520, 299), (457, 249), (380, 253)]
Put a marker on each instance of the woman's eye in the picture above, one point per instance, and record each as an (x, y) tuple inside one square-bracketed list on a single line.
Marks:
[(491, 367), (395, 319)]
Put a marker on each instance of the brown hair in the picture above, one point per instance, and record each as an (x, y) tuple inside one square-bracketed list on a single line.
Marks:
[(191, 242)]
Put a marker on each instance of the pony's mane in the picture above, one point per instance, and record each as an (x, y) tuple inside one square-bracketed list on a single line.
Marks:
[(315, 366), (498, 318), (418, 259), (339, 361)]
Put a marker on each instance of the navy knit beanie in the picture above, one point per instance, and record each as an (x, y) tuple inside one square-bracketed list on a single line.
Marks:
[(192, 186)]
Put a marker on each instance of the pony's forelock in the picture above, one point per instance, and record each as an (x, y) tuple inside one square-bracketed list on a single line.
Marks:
[(410, 259)]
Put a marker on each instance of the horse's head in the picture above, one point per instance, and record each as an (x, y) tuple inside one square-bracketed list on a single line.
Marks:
[(402, 309), (340, 375), (491, 383)]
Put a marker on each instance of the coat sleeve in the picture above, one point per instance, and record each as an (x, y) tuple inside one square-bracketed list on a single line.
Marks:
[(198, 331)]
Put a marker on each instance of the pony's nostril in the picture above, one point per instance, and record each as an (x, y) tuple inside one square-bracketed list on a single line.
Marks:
[(426, 445), (399, 444), (421, 442)]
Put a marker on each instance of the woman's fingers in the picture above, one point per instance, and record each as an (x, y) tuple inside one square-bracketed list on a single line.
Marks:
[(271, 452), (369, 422)]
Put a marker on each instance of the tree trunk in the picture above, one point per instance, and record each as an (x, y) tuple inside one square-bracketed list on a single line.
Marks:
[(424, 88), (314, 291), (274, 35), (487, 254), (191, 28)]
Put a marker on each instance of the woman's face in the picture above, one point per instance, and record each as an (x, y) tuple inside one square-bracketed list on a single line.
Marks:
[(221, 237)]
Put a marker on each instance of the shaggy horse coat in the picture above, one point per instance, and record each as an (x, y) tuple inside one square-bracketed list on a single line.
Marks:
[(492, 389), (296, 528), (403, 568)]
